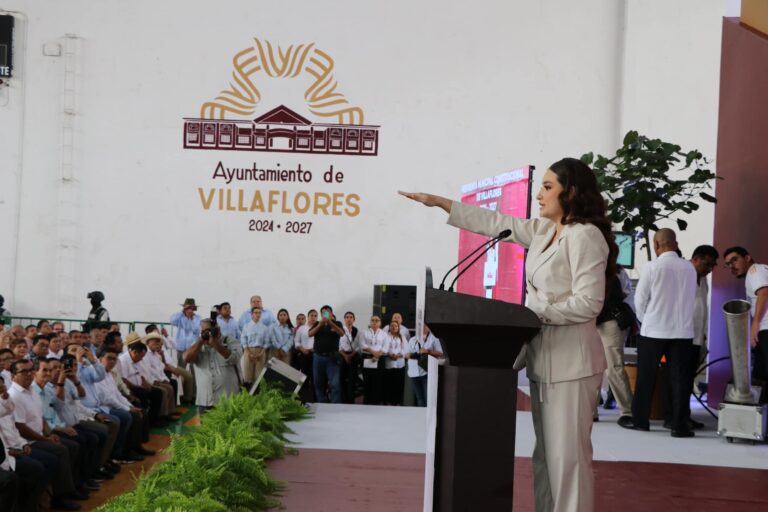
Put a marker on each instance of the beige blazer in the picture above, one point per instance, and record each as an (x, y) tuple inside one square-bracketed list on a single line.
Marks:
[(566, 287)]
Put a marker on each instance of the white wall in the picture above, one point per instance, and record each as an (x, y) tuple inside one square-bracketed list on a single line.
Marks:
[(461, 92), (671, 76)]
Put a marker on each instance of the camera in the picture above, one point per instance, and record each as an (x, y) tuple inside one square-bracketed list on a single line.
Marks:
[(67, 362)]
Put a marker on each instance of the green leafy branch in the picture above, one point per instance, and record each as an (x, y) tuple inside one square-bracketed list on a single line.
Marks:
[(649, 180)]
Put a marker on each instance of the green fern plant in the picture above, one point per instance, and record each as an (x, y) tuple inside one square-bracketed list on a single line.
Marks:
[(222, 464)]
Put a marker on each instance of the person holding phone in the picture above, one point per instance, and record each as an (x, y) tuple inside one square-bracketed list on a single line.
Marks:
[(571, 255), (325, 365)]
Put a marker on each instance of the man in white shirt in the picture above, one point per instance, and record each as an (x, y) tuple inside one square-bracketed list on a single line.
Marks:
[(134, 376), (171, 357), (33, 476), (28, 415), (704, 259), (755, 277), (665, 297)]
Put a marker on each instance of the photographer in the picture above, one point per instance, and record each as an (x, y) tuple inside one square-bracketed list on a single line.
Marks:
[(214, 359), (327, 333), (418, 352)]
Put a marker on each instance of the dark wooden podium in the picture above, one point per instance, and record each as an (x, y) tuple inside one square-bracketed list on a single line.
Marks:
[(477, 398)]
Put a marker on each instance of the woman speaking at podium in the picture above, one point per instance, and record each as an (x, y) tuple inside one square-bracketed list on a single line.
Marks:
[(570, 254)]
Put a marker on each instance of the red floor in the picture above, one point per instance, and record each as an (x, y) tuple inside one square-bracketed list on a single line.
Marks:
[(335, 480)]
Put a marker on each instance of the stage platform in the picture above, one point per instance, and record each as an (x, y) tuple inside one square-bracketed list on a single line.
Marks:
[(370, 458)]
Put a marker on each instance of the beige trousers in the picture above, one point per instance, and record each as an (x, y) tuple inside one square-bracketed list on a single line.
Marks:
[(613, 343), (562, 459), (168, 405), (282, 356), (254, 359)]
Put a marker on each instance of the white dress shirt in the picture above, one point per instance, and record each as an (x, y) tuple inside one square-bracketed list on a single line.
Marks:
[(349, 343), (396, 345), (9, 434), (302, 339), (626, 287), (155, 367), (414, 348), (132, 372), (7, 378), (109, 396), (374, 341), (701, 314), (28, 408), (757, 278), (665, 297)]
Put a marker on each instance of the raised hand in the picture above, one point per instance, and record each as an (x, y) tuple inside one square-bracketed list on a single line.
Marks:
[(428, 199)]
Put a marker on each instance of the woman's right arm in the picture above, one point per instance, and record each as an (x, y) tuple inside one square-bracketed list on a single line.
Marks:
[(480, 220)]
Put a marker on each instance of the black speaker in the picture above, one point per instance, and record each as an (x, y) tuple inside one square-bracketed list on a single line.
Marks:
[(280, 374), (389, 299)]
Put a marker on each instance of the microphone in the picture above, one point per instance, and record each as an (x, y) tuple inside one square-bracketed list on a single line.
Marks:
[(503, 234), (491, 244)]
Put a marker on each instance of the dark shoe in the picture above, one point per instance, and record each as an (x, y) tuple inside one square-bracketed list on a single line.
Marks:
[(91, 485), (668, 424), (79, 494), (133, 457), (102, 474), (112, 467), (63, 504), (626, 422), (683, 433), (695, 425), (143, 451), (595, 419)]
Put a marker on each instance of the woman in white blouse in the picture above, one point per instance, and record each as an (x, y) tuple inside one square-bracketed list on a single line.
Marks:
[(394, 372), (374, 344)]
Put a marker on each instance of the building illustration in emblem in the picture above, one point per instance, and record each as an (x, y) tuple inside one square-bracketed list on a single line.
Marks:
[(283, 130)]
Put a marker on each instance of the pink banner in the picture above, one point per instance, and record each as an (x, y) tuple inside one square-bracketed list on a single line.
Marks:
[(500, 273)]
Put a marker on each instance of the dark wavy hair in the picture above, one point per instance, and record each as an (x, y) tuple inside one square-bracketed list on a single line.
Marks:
[(582, 203), (283, 310)]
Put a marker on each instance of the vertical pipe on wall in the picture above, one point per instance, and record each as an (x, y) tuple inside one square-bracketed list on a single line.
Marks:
[(67, 228)]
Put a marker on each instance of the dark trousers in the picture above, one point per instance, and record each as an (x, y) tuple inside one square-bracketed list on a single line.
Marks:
[(124, 421), (303, 363), (152, 400), (420, 390), (349, 379), (649, 352), (760, 357), (326, 371), (372, 385), (394, 385), (33, 479), (9, 489), (56, 457)]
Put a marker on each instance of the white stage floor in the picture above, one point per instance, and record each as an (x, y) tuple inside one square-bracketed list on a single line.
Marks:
[(402, 429)]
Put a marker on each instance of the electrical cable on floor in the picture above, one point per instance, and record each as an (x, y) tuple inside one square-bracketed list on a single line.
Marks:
[(698, 397)]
